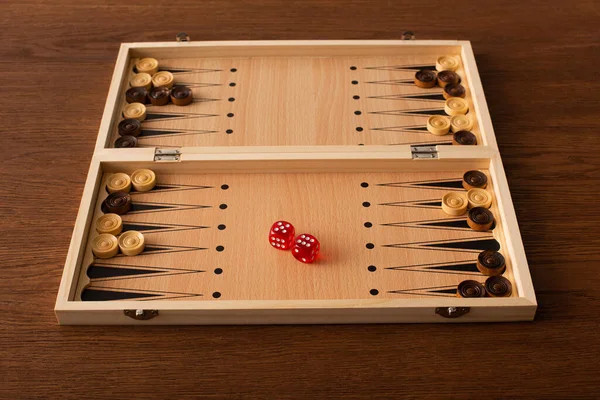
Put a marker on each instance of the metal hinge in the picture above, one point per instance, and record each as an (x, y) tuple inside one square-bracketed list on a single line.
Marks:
[(141, 315), (423, 151), (452, 312), (167, 155)]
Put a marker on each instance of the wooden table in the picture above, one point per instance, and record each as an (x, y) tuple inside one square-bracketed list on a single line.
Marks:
[(539, 70)]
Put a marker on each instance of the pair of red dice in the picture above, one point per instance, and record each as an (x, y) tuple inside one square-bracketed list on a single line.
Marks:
[(305, 247)]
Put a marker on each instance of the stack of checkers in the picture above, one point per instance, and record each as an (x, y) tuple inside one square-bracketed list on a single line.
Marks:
[(458, 121), (489, 262), (111, 239), (148, 86)]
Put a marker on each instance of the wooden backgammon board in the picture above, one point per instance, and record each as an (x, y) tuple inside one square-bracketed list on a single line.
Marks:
[(354, 142)]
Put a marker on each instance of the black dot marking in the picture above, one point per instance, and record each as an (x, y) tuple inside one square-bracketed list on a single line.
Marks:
[(223, 206), (359, 128), (356, 97), (357, 112), (218, 271), (364, 184), (361, 144), (372, 268), (221, 227), (224, 187), (353, 68), (366, 204), (220, 248), (374, 292), (368, 224), (231, 99), (232, 84), (355, 82), (230, 115), (216, 295), (233, 69), (229, 131), (370, 246)]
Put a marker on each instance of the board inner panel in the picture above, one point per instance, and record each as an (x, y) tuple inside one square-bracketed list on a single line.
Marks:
[(280, 101), (207, 239)]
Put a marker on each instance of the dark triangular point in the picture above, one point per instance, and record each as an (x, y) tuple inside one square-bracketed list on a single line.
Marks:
[(419, 96), (447, 291), (424, 113), (415, 204), (452, 223), (140, 207), (475, 245), (402, 67), (457, 267), (172, 188), (156, 116), (147, 227), (152, 133), (403, 129), (180, 70), (396, 82), (437, 184)]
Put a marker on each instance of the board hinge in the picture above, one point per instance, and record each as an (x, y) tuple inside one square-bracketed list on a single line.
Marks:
[(167, 155), (422, 152)]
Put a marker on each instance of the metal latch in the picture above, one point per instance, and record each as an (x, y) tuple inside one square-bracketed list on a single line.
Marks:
[(408, 35), (423, 151), (452, 312), (141, 315), (182, 37), (167, 155)]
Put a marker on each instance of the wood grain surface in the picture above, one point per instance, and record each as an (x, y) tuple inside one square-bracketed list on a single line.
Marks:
[(537, 61)]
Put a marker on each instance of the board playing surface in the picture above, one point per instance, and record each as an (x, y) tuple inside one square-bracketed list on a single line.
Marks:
[(418, 250), (294, 100)]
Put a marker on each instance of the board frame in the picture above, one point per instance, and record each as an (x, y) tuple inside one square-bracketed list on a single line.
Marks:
[(295, 159)]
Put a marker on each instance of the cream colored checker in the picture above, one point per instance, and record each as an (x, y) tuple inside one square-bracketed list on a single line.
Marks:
[(148, 65), (163, 78), (118, 182), (135, 111), (143, 180), (105, 245), (461, 123), (141, 80), (456, 106), (479, 198), (454, 203), (131, 243), (109, 223), (446, 63), (438, 125)]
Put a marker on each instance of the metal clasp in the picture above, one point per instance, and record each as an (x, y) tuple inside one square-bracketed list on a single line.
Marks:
[(452, 312), (141, 315), (182, 37), (408, 35)]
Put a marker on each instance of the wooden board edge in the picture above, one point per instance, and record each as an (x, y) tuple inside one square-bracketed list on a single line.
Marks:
[(481, 109), (114, 91), (512, 234), (296, 312), (278, 48), (76, 251)]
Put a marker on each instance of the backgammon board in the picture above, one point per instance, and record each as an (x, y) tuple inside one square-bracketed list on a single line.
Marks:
[(334, 136)]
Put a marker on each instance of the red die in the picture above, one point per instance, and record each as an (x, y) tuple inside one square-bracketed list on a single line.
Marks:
[(281, 235), (306, 248)]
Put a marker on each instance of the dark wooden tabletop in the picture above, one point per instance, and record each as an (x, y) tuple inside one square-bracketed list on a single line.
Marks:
[(539, 66)]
